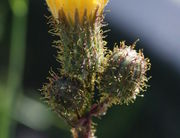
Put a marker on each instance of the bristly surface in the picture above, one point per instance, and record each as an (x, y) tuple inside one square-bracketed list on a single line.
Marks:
[(125, 76), (91, 78)]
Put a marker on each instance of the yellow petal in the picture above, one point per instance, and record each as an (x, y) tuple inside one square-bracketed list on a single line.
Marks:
[(69, 7)]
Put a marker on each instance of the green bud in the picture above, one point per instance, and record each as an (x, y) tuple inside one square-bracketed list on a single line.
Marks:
[(65, 96), (125, 75)]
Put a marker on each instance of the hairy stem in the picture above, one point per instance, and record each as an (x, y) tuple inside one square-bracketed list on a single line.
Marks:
[(85, 131)]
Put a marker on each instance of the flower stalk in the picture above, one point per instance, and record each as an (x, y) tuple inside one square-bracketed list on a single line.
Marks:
[(91, 78)]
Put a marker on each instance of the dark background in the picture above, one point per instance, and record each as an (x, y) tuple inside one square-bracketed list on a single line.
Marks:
[(26, 57)]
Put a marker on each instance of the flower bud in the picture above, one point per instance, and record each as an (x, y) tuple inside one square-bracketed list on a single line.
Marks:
[(65, 95), (125, 75)]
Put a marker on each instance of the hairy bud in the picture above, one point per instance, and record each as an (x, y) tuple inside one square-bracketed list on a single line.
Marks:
[(125, 75), (65, 95)]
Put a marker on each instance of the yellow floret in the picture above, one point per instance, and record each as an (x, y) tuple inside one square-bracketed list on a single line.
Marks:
[(69, 7)]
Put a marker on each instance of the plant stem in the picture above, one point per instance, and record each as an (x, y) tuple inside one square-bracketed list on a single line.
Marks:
[(85, 131)]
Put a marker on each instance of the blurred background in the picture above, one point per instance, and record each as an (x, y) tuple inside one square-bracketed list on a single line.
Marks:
[(26, 56)]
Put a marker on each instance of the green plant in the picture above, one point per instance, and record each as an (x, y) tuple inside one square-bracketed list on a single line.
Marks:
[(91, 77)]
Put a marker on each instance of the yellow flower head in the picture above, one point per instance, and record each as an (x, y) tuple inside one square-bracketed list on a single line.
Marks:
[(69, 7)]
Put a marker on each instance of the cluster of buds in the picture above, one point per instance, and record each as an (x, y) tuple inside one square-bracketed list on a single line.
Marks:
[(91, 78)]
